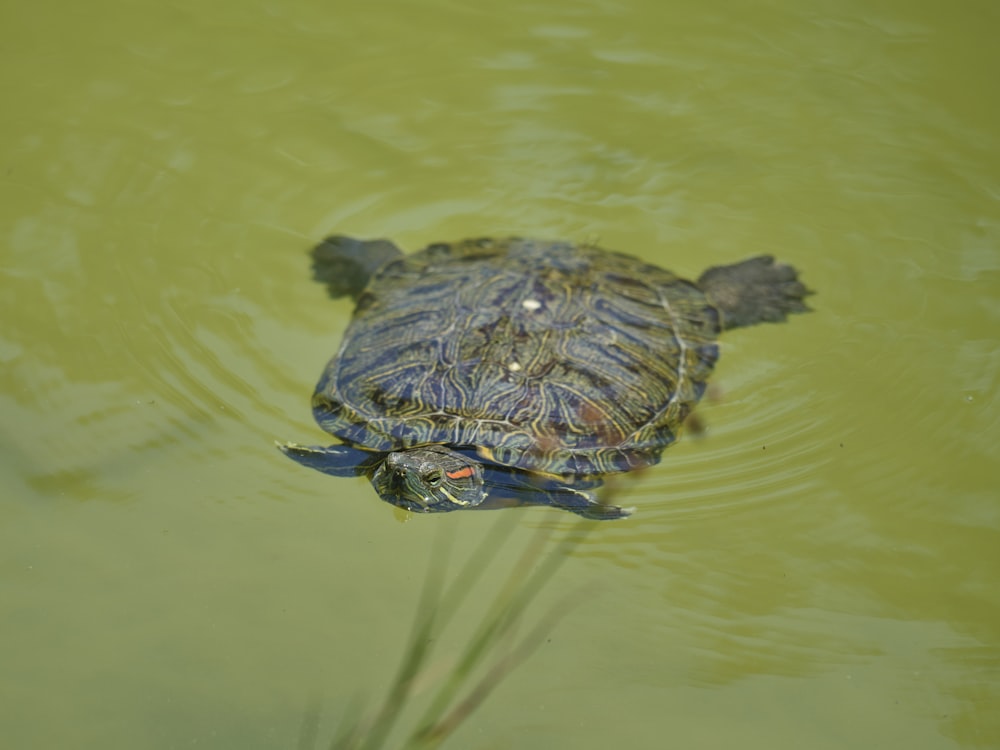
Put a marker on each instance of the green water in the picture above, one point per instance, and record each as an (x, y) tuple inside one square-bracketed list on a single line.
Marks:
[(817, 570)]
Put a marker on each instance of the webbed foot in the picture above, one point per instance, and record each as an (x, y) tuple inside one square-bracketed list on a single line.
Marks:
[(345, 264), (753, 291)]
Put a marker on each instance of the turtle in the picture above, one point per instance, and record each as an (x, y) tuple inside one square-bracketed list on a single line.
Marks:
[(497, 372)]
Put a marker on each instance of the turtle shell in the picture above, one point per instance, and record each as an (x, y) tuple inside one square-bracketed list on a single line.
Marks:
[(544, 356)]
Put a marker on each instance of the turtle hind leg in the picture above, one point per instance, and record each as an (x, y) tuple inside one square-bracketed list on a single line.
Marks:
[(345, 264), (754, 291)]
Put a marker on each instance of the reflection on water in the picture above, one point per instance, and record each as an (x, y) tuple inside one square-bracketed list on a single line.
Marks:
[(828, 546)]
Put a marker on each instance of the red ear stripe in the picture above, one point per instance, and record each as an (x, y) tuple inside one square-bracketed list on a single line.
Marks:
[(465, 471)]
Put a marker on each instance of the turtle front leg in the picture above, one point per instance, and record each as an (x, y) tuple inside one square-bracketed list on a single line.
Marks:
[(335, 460), (512, 487), (585, 503)]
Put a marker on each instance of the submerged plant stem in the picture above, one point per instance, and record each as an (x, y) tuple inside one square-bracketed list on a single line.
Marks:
[(518, 592)]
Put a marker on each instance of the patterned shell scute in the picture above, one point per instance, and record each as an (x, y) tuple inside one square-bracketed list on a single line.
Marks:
[(549, 357)]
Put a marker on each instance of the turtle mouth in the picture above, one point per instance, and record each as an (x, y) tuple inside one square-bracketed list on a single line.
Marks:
[(425, 504), (394, 485)]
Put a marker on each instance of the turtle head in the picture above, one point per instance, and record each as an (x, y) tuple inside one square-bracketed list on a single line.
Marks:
[(430, 479)]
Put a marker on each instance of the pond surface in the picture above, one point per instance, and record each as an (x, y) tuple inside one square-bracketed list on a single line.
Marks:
[(817, 569)]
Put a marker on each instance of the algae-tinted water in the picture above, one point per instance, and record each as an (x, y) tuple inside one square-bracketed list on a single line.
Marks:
[(818, 569)]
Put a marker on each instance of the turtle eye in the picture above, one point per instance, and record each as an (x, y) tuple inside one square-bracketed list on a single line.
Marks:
[(433, 478)]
